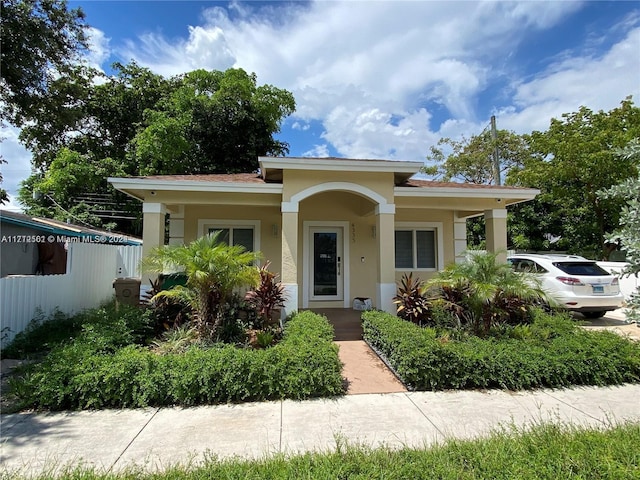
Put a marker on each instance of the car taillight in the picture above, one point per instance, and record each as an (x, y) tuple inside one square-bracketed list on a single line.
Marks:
[(574, 282), (614, 281)]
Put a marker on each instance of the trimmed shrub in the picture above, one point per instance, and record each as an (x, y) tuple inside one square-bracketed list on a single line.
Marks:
[(97, 370), (105, 324), (552, 352)]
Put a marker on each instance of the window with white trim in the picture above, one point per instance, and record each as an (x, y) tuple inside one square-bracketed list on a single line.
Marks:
[(235, 236), (416, 248), (234, 232)]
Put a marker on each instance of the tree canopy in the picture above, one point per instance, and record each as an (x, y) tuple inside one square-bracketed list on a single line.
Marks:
[(570, 162), (135, 122), (213, 122), (471, 159), (41, 40)]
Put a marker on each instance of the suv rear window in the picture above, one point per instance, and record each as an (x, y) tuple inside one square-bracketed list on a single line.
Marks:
[(588, 269)]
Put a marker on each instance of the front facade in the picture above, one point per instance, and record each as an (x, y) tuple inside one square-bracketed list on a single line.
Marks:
[(335, 229)]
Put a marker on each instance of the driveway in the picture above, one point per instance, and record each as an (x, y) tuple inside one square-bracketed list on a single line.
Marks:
[(614, 321)]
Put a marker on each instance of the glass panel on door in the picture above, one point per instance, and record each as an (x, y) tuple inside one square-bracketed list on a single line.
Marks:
[(326, 264)]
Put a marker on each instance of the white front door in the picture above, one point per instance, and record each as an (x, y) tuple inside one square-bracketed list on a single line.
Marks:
[(326, 263)]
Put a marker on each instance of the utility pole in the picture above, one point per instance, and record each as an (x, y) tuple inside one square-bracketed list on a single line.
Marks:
[(496, 157)]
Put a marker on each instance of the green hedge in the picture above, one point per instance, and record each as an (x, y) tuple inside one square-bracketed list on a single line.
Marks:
[(89, 373), (552, 352)]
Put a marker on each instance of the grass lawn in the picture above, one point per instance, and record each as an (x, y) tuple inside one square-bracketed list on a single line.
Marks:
[(545, 452)]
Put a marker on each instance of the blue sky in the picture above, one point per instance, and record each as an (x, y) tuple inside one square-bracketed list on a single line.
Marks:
[(382, 79)]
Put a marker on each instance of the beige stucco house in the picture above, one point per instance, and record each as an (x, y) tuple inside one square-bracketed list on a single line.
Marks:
[(334, 228)]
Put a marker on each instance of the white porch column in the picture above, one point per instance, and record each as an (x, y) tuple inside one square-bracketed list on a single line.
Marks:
[(459, 238), (289, 273), (153, 218), (496, 232), (386, 281)]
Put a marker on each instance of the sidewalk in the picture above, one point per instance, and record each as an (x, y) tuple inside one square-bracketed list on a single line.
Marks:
[(159, 437)]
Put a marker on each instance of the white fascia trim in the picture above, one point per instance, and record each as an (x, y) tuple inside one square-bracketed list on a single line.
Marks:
[(340, 186), (452, 192), (339, 164), (193, 186)]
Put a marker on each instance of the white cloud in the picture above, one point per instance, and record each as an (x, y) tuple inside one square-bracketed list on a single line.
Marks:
[(99, 49), (302, 126), (367, 70), (599, 83), (318, 151), (18, 166)]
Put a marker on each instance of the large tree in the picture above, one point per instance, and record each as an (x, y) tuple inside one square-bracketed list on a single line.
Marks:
[(213, 122), (138, 123), (84, 140), (570, 162), (472, 159), (41, 39)]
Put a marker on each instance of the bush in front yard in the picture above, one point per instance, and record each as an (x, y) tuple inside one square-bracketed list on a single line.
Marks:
[(86, 374), (551, 352), (114, 327)]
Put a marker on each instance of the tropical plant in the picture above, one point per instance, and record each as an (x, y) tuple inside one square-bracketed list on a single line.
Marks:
[(628, 231), (167, 312), (175, 340), (213, 269), (265, 338), (268, 296), (411, 302), (483, 292)]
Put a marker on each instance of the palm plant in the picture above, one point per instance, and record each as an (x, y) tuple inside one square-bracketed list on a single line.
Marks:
[(213, 269), (483, 292)]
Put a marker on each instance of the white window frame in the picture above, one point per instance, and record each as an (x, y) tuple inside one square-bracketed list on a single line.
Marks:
[(206, 223), (436, 227)]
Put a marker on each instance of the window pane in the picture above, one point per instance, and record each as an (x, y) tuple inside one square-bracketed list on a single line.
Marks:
[(404, 249), (244, 237), (224, 236), (589, 269), (425, 240)]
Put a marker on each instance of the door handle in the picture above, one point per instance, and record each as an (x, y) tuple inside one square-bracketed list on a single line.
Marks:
[(338, 265)]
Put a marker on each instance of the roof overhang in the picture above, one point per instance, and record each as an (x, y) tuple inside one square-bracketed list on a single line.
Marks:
[(271, 168), (142, 188), (516, 195)]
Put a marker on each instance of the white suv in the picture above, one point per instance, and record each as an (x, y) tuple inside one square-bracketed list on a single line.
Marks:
[(577, 284)]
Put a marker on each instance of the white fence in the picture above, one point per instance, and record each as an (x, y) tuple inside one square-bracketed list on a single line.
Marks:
[(91, 270)]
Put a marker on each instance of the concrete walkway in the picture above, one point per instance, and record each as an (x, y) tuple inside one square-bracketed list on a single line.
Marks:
[(363, 371), (159, 437)]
